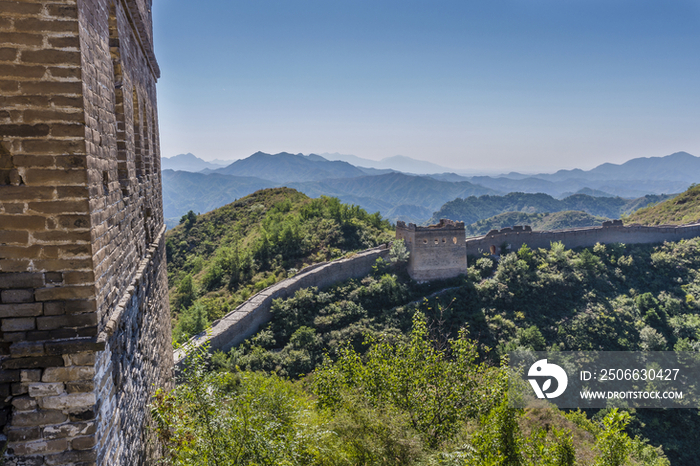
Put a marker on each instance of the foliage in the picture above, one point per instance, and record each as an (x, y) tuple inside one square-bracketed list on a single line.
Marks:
[(416, 401), (221, 258), (473, 209), (684, 208), (538, 221), (398, 251)]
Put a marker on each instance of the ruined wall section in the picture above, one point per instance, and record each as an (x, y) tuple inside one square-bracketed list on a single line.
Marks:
[(610, 232), (435, 252), (246, 319)]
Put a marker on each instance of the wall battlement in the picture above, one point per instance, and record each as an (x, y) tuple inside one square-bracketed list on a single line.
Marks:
[(609, 232), (435, 251)]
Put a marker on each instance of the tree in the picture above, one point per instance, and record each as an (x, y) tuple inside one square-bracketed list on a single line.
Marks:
[(398, 252)]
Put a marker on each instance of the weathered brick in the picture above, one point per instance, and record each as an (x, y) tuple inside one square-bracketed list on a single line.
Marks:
[(30, 375), (18, 237), (80, 387), (45, 389), (20, 310), (9, 376), (23, 434), (20, 130), (22, 349), (24, 403), (19, 38), (16, 296), (39, 447), (18, 324), (29, 193), (12, 9), (68, 401), (8, 54), (64, 42), (79, 359), (22, 222), (37, 176), (73, 346), (20, 280), (39, 116), (22, 71), (69, 430), (70, 457), (64, 292), (38, 418), (37, 25), (32, 363), (57, 207), (68, 374)]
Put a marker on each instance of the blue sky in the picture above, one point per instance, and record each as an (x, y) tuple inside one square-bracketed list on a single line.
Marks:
[(491, 85)]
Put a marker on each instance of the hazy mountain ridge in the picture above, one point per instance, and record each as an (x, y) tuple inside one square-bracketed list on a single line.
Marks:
[(397, 195), (187, 162), (472, 209), (539, 221)]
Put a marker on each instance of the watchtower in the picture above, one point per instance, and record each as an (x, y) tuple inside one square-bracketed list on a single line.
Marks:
[(84, 315), (436, 251)]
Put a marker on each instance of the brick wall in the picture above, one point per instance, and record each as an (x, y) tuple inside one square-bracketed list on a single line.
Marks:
[(435, 252), (80, 232)]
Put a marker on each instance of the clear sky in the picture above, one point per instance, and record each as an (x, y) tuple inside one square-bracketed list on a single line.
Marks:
[(486, 85)]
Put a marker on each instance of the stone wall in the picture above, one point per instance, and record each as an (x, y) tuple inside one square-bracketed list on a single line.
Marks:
[(610, 232), (81, 248), (247, 318), (436, 251)]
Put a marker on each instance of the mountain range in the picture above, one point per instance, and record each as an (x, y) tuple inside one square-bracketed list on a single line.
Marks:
[(403, 196)]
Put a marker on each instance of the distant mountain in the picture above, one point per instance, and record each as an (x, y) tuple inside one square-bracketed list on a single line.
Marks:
[(393, 190), (684, 208), (540, 221), (679, 166), (287, 168), (473, 209), (184, 191), (187, 162), (398, 162)]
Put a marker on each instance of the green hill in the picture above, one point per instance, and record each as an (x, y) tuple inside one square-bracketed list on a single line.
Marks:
[(219, 259), (684, 208), (472, 209), (540, 221)]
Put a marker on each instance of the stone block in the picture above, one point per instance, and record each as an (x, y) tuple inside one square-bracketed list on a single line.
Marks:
[(80, 387), (20, 280), (32, 363), (23, 434), (74, 429), (74, 346), (68, 374), (72, 457), (16, 296), (68, 401), (39, 447), (18, 325), (80, 359), (21, 349), (38, 418), (30, 375), (24, 403), (37, 390)]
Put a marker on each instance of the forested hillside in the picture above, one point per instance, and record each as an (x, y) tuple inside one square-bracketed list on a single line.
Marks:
[(219, 259), (472, 209), (611, 297), (684, 208), (542, 221)]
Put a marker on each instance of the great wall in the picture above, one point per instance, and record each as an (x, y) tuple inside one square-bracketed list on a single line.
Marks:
[(84, 307), (435, 252), (84, 316)]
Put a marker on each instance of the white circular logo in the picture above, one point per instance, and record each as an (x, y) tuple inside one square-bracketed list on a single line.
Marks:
[(544, 371)]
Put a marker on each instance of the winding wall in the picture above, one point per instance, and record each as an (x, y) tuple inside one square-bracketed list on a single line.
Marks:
[(609, 232), (245, 320)]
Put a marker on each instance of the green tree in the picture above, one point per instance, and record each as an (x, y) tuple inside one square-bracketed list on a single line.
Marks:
[(398, 251)]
